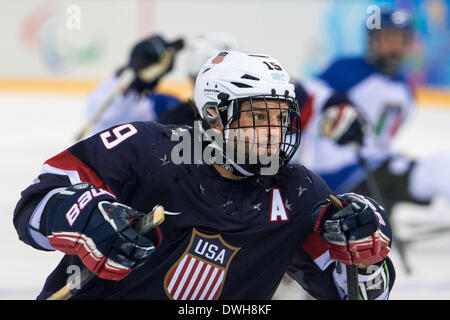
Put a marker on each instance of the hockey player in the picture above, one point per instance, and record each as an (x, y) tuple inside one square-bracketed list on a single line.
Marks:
[(357, 106), (150, 60), (235, 221)]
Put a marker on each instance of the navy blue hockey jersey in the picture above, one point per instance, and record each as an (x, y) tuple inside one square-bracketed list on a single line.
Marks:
[(223, 239)]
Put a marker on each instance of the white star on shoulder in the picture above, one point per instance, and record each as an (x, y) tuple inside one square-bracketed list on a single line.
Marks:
[(164, 160), (300, 190), (288, 205)]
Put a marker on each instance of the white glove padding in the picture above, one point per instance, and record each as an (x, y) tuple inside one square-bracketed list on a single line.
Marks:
[(154, 71), (343, 123), (373, 281)]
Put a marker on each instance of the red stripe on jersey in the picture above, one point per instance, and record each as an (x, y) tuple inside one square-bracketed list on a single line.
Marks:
[(180, 275), (171, 275), (216, 290), (213, 282), (314, 245), (197, 280), (188, 279), (67, 161), (202, 294)]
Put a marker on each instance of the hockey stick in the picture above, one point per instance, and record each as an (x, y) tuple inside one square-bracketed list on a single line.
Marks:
[(351, 269), (124, 80), (141, 225)]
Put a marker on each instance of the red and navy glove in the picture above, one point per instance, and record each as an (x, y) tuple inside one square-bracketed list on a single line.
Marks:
[(359, 233), (89, 222)]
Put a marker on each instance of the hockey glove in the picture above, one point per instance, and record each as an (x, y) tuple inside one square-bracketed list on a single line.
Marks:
[(343, 124), (357, 234), (90, 223), (151, 59)]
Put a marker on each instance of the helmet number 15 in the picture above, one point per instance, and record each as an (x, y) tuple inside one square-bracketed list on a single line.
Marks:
[(272, 65)]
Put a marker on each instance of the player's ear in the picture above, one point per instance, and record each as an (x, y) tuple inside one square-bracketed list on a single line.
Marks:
[(211, 115)]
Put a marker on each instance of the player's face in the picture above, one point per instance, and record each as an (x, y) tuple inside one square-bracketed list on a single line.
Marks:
[(259, 129), (392, 43)]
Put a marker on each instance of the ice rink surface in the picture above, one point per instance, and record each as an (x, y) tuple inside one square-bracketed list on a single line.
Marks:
[(38, 126)]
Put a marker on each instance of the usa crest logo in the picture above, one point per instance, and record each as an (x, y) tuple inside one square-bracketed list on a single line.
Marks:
[(200, 272)]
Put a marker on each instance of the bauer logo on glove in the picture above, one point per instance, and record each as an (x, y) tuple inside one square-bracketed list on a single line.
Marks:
[(98, 229), (358, 233)]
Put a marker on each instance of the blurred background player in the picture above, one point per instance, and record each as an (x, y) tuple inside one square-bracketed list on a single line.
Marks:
[(357, 106), (150, 60), (199, 50)]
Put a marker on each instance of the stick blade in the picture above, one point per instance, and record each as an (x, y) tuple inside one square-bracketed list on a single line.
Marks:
[(335, 202)]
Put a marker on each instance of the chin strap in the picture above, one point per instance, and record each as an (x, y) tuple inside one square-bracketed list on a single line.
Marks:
[(226, 162)]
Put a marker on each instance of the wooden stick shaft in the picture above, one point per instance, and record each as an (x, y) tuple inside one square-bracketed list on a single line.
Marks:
[(351, 269)]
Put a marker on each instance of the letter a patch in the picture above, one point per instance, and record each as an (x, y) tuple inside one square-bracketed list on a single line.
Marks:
[(277, 208)]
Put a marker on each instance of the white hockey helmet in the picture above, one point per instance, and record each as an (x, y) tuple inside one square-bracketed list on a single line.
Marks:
[(204, 46), (229, 78)]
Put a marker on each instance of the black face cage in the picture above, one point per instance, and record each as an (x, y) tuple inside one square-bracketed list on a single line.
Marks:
[(287, 127)]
